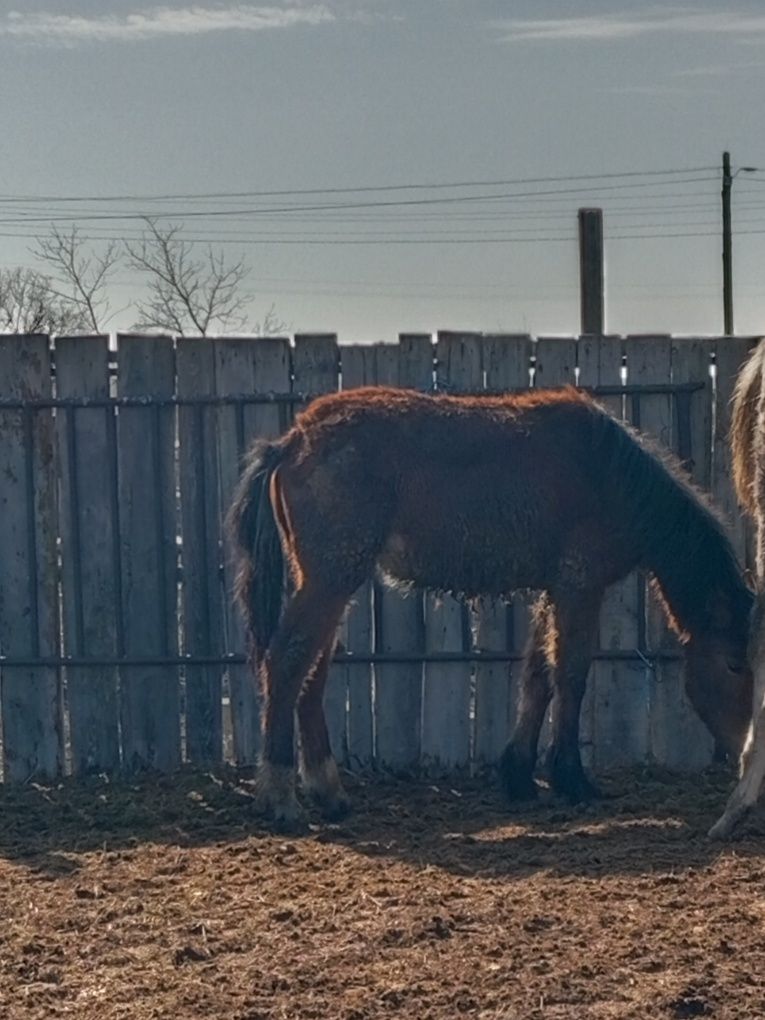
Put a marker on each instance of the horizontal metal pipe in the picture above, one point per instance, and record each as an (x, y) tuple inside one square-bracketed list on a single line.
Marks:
[(341, 658)]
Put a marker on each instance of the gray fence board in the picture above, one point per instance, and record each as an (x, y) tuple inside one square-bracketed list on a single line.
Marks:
[(399, 621), (616, 734), (245, 366), (446, 693), (202, 606), (90, 578), (506, 361), (30, 698), (556, 366), (149, 695), (359, 368), (315, 369)]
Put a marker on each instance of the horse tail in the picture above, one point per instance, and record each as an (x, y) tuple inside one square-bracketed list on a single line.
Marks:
[(254, 535), (743, 427)]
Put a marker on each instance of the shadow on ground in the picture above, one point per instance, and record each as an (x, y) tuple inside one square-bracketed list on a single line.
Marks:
[(650, 820)]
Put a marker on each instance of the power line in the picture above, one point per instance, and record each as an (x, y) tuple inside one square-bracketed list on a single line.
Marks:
[(194, 196), (218, 213)]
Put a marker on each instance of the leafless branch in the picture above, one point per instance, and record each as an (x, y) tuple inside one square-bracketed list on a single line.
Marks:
[(82, 276), (30, 304), (187, 293)]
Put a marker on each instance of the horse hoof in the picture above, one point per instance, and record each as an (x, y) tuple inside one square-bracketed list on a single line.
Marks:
[(322, 784), (576, 789), (275, 798), (289, 823), (721, 829), (516, 777), (336, 808), (724, 826)]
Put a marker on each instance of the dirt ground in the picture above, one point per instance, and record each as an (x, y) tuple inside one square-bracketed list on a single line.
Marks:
[(170, 899)]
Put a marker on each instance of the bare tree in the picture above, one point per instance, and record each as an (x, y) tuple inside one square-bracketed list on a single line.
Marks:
[(29, 303), (187, 293), (271, 324), (81, 274)]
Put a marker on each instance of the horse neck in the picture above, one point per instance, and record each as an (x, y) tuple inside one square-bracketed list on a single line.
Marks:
[(696, 571)]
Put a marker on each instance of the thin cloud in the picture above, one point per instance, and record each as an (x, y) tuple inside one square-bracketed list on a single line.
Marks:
[(625, 25), (158, 22), (654, 90), (719, 70)]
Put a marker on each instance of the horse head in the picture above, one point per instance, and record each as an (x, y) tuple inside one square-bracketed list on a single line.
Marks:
[(719, 683)]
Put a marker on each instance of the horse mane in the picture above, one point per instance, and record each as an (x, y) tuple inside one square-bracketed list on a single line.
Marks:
[(340, 406), (746, 400), (684, 545)]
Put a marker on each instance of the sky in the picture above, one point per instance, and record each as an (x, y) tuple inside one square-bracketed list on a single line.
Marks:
[(387, 166)]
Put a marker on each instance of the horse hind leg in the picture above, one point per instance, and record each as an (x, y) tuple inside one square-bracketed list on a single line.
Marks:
[(516, 766), (318, 768), (306, 628)]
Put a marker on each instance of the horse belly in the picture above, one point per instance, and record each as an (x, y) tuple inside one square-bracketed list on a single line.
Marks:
[(474, 564)]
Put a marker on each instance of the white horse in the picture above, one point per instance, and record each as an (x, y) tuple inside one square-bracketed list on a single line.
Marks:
[(748, 448)]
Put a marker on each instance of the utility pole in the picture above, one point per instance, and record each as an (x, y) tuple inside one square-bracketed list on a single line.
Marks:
[(727, 239), (727, 251), (591, 299)]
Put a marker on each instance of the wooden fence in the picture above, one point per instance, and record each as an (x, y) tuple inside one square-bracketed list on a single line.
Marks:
[(119, 647)]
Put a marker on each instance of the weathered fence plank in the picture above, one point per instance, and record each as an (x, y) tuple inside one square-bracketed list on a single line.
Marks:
[(446, 689), (30, 698), (359, 368), (202, 601), (399, 620), (316, 369), (555, 365), (685, 742), (649, 362), (91, 605), (506, 361), (245, 366), (149, 695), (692, 425), (619, 692)]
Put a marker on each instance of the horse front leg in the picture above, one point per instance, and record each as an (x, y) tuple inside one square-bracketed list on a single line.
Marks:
[(576, 622), (747, 790), (516, 766)]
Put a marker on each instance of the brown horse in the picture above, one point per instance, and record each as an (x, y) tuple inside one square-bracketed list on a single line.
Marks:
[(474, 495), (748, 448)]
